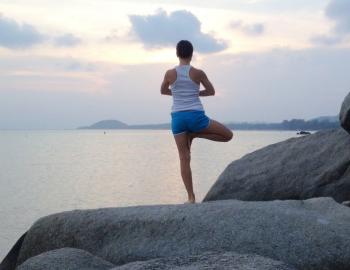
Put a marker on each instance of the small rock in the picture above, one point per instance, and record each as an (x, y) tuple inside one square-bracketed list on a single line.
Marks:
[(344, 115), (346, 203)]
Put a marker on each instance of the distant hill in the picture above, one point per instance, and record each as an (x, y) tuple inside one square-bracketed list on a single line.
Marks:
[(319, 123), (331, 119), (294, 124), (107, 124)]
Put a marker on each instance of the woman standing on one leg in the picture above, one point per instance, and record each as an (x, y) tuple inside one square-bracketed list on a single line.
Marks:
[(188, 119)]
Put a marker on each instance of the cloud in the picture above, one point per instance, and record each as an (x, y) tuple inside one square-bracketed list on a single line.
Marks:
[(78, 66), (339, 12), (278, 84), (255, 29), (33, 64), (163, 30), (67, 40), (18, 36), (14, 35), (119, 36), (327, 40), (265, 86)]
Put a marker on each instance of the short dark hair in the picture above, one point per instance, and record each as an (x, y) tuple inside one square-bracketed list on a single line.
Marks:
[(184, 49)]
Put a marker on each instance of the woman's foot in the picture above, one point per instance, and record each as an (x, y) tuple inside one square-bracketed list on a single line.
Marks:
[(189, 202), (191, 199)]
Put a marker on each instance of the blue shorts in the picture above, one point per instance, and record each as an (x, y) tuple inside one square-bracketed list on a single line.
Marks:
[(188, 121)]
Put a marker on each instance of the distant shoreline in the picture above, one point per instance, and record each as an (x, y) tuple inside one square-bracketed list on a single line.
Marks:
[(319, 123), (292, 125), (134, 129)]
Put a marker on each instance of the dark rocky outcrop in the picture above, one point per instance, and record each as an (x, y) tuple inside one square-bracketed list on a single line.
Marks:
[(311, 234), (65, 259), (73, 259), (10, 261), (316, 165), (344, 115), (346, 203)]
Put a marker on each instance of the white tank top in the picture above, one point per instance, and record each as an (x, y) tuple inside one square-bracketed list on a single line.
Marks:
[(185, 91)]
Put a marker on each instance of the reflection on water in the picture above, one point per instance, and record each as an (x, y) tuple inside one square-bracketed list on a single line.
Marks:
[(43, 172)]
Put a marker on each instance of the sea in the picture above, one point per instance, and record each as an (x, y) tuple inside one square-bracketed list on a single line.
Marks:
[(45, 172)]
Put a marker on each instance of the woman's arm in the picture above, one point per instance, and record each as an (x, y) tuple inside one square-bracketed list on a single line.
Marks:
[(164, 88), (208, 87)]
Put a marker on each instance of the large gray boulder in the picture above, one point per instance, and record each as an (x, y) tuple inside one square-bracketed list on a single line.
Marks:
[(209, 261), (316, 165), (311, 234), (65, 259), (344, 115), (73, 259)]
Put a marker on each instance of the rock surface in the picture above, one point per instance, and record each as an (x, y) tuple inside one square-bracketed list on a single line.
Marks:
[(10, 261), (209, 261), (344, 115), (346, 203), (73, 259), (311, 234), (65, 259), (316, 165)]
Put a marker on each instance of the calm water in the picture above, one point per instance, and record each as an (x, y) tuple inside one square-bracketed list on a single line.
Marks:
[(42, 172)]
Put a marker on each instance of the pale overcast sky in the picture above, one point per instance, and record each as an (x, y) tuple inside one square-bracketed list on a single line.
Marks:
[(71, 63)]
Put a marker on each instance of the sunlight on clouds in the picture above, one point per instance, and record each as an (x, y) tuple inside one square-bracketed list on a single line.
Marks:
[(94, 21), (124, 54), (97, 21)]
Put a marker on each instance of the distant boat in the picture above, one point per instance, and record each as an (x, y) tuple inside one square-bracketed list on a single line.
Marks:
[(302, 132)]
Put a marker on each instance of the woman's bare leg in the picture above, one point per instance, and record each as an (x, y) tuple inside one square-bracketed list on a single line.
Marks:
[(214, 132), (185, 159)]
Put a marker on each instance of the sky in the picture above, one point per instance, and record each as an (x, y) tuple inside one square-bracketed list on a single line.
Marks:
[(70, 63)]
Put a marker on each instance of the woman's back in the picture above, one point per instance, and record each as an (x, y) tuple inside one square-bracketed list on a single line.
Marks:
[(185, 91)]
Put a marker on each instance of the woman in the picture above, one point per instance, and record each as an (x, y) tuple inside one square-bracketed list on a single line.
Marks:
[(188, 119)]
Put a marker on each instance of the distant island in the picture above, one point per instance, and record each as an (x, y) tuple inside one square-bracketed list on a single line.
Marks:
[(319, 123), (115, 124), (107, 124)]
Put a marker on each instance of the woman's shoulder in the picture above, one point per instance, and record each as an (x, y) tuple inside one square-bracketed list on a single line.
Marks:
[(171, 71), (196, 72), (171, 75)]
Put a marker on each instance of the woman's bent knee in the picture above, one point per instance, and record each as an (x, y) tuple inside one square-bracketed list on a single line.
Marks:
[(229, 136)]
